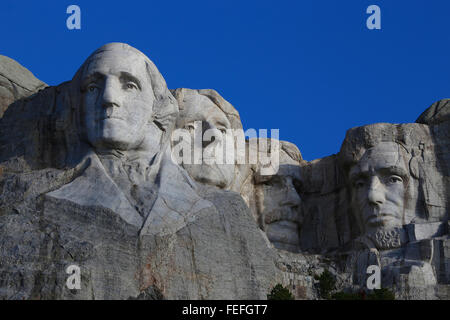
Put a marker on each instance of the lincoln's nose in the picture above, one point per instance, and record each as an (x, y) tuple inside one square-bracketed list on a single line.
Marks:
[(375, 193)]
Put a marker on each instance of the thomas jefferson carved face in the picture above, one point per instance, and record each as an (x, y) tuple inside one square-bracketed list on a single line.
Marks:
[(378, 183), (200, 110), (117, 98)]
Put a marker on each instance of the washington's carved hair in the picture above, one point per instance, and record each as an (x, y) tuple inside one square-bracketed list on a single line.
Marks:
[(165, 108)]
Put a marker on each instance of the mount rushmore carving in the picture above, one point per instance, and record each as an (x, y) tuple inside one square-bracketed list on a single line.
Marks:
[(92, 174)]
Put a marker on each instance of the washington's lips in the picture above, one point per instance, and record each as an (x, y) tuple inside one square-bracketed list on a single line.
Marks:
[(109, 113)]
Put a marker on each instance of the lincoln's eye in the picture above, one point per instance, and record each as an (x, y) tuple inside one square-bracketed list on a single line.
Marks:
[(395, 179)]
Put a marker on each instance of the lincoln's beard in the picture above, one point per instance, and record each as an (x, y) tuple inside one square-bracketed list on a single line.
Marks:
[(385, 239)]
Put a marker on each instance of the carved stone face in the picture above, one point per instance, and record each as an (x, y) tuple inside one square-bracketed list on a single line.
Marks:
[(117, 98), (200, 110), (378, 185), (279, 204)]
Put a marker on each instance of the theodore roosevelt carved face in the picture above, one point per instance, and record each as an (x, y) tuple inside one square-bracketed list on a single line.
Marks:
[(278, 200)]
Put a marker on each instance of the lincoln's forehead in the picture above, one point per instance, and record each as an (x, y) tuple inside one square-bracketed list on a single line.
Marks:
[(383, 156), (115, 62)]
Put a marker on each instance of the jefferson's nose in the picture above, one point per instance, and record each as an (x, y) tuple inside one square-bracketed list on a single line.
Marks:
[(206, 125), (292, 197), (375, 194), (111, 94)]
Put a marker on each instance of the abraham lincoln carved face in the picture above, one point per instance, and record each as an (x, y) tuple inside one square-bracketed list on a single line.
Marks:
[(378, 182)]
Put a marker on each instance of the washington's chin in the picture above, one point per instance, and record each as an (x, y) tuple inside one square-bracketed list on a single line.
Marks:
[(114, 134), (112, 141)]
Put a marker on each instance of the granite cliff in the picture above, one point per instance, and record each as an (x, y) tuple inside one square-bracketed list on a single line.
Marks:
[(89, 177)]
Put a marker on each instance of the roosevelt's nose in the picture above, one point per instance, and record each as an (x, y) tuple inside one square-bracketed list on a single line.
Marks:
[(111, 94), (375, 193), (292, 198)]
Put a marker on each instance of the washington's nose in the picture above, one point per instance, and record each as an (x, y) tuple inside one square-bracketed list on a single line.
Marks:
[(292, 197), (375, 194), (111, 94)]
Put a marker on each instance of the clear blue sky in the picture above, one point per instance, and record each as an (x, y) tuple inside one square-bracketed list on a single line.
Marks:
[(308, 67)]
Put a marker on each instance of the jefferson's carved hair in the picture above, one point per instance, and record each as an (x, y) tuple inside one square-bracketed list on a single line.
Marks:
[(230, 112)]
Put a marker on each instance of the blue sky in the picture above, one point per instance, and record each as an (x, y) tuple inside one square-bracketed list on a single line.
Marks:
[(308, 67)]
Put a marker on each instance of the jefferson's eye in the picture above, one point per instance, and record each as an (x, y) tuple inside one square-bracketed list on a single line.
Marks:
[(395, 179), (189, 127), (222, 130)]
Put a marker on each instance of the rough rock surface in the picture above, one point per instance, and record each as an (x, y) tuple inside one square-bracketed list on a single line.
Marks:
[(133, 227), (140, 226), (437, 113), (16, 82)]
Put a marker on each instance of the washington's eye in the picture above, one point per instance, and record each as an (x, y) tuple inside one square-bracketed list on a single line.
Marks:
[(395, 179), (131, 85)]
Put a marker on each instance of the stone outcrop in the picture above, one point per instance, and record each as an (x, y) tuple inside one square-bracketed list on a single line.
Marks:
[(438, 112), (89, 176), (16, 82)]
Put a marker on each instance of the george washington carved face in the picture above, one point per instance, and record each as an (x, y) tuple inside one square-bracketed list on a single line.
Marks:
[(118, 98)]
